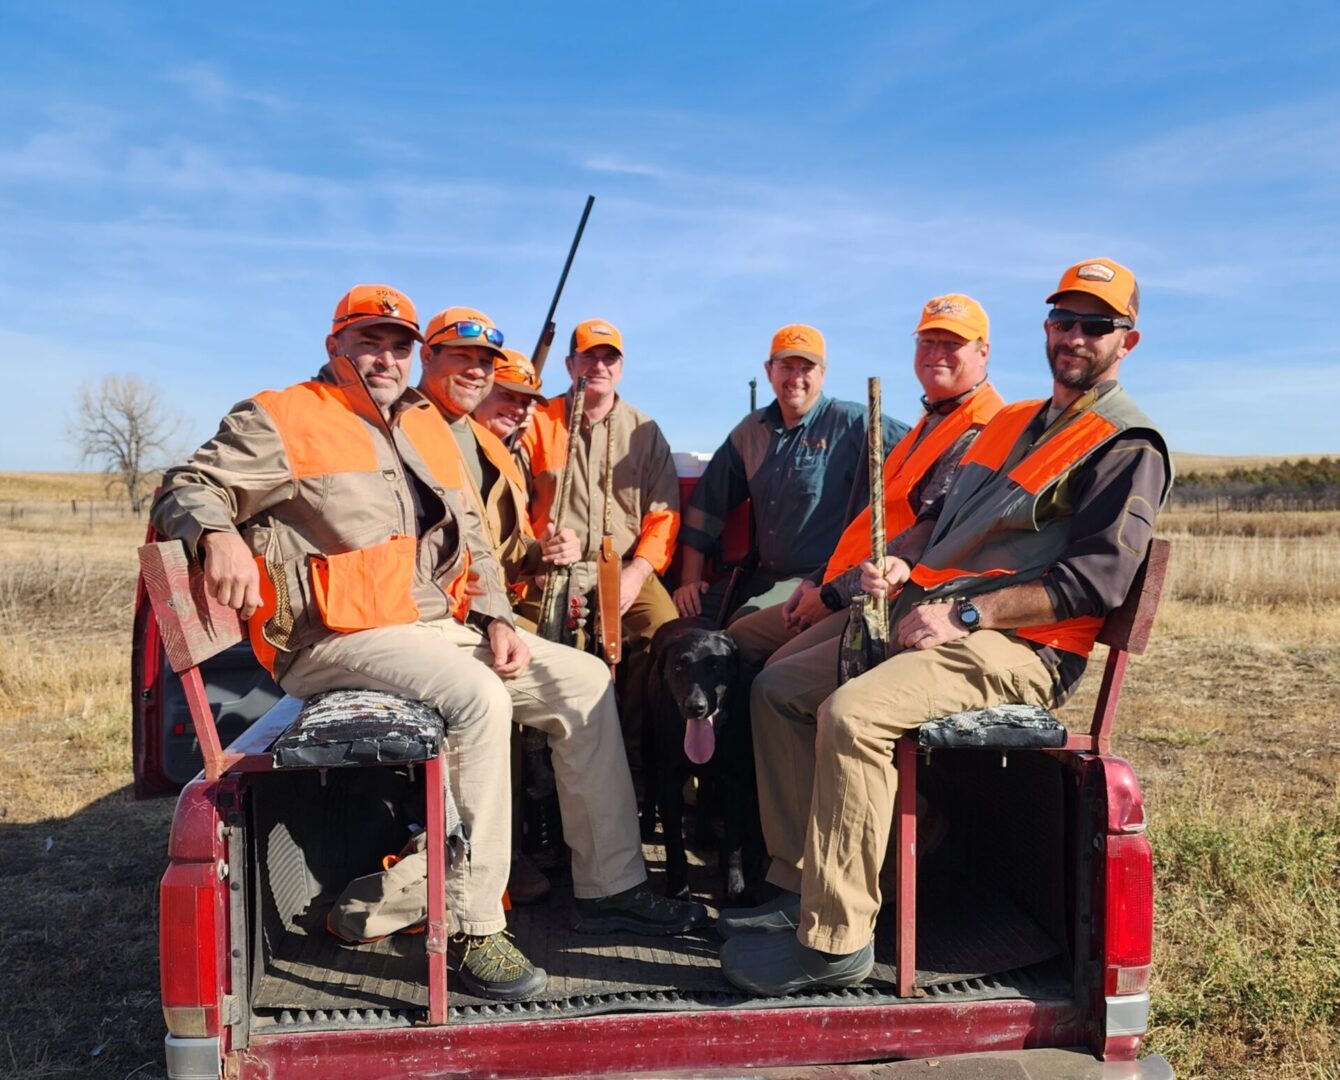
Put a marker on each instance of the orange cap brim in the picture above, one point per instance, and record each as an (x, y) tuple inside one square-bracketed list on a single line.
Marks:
[(374, 320), (962, 329), (814, 358)]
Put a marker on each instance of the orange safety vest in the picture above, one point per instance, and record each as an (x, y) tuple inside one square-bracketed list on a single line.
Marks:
[(989, 530), (325, 434), (904, 468)]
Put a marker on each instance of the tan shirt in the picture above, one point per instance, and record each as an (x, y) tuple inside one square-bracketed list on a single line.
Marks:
[(644, 503)]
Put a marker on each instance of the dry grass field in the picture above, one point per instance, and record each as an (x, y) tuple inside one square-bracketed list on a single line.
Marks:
[(1232, 721)]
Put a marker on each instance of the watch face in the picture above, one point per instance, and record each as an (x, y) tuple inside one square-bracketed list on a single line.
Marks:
[(968, 614)]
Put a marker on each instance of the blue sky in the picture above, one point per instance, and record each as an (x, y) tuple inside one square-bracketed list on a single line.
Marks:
[(186, 190)]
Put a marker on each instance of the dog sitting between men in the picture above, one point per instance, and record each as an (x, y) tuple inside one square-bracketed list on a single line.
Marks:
[(693, 727)]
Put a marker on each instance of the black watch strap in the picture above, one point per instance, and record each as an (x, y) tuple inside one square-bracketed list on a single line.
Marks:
[(832, 599)]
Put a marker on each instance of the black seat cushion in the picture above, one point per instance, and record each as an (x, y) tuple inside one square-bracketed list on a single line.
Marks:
[(358, 727), (1027, 727)]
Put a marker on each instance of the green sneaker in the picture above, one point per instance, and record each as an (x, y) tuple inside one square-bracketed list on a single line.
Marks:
[(639, 911), (492, 967)]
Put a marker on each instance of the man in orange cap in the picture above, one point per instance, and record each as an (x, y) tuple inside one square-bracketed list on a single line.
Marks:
[(507, 409), (643, 504), (1041, 535), (564, 693), (797, 460), (328, 515), (949, 360)]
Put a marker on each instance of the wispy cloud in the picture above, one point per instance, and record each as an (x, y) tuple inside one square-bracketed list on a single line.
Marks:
[(616, 163), (206, 85), (1297, 142)]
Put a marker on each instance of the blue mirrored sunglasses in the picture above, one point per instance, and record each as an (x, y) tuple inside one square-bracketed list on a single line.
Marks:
[(471, 328)]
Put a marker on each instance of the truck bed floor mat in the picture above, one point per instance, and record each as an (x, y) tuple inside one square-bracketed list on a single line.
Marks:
[(963, 935)]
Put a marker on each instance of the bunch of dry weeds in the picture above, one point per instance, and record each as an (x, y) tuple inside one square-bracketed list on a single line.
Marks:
[(1248, 916)]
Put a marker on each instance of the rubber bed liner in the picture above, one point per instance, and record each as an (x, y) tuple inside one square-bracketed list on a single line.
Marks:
[(963, 936)]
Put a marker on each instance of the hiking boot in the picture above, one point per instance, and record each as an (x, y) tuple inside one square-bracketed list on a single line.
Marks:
[(782, 912), (493, 967), (776, 964), (526, 883), (639, 911)]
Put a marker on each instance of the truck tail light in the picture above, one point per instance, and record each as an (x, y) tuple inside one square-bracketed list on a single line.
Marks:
[(1129, 929), (187, 949)]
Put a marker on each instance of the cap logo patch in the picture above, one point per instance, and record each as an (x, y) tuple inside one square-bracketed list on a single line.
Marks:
[(944, 307), (1095, 272), (600, 328), (386, 301), (793, 337)]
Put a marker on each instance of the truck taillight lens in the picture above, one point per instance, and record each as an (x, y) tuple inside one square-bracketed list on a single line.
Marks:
[(188, 950), (1129, 930)]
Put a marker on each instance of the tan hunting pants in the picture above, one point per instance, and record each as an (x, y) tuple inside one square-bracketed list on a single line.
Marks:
[(824, 756), (565, 693)]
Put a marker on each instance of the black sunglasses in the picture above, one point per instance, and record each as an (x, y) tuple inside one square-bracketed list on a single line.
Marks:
[(1090, 325)]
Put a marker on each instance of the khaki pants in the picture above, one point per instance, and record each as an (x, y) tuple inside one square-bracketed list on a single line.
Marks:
[(824, 756), (562, 692)]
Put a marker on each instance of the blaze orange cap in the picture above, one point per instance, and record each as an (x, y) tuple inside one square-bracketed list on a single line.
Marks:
[(375, 304), (957, 313), (587, 335), (1111, 282), (798, 340), (515, 372), (441, 330)]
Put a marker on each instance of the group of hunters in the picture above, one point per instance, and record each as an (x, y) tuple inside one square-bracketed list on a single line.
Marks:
[(382, 536)]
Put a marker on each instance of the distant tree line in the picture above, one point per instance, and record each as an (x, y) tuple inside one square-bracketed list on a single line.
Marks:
[(1290, 485)]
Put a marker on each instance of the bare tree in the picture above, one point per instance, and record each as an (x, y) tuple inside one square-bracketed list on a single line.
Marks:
[(122, 424)]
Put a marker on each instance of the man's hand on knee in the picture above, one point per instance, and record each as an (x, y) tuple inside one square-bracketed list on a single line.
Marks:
[(230, 572), (808, 609), (688, 598), (510, 654), (929, 625)]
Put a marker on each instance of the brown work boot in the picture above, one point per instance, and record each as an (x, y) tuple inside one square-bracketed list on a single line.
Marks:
[(493, 967), (526, 883)]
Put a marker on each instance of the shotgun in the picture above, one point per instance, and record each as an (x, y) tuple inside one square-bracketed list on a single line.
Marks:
[(555, 623), (865, 638), (541, 353)]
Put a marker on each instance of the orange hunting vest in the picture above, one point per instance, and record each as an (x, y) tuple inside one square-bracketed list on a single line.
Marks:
[(904, 469), (989, 535), (352, 587)]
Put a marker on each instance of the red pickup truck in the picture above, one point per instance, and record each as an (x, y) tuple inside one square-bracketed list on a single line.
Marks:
[(1032, 925)]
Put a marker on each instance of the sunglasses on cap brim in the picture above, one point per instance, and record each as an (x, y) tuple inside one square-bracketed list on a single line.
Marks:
[(468, 330), (1090, 325)]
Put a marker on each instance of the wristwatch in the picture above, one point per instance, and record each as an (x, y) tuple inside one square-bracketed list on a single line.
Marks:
[(832, 599), (968, 614)]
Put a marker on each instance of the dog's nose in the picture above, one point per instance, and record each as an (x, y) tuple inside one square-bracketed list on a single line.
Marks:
[(695, 706)]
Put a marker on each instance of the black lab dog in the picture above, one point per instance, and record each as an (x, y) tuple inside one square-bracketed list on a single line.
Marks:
[(692, 725)]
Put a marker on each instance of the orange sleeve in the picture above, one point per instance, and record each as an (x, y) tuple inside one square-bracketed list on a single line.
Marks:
[(660, 529)]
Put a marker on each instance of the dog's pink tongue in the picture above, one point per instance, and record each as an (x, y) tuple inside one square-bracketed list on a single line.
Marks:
[(700, 739)]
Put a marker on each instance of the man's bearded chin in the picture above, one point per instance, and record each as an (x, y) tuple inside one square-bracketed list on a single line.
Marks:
[(1087, 377)]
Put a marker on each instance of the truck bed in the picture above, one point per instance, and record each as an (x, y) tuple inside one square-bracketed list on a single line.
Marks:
[(996, 934)]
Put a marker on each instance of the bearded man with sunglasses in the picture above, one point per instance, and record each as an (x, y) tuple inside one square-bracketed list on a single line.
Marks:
[(1048, 521)]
